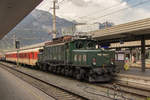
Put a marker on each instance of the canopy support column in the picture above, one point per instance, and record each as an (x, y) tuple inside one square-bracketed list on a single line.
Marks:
[(143, 54)]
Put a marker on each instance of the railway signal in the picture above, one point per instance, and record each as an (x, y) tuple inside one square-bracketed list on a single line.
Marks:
[(17, 45)]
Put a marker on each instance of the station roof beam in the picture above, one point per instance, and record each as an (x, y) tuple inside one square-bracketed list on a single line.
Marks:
[(131, 31)]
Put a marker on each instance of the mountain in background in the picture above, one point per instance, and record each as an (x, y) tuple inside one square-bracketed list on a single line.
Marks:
[(35, 28)]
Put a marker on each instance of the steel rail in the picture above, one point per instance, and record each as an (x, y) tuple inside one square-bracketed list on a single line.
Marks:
[(126, 89), (56, 92)]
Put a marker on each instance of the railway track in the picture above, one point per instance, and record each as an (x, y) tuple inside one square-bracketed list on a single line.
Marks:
[(125, 88), (53, 91), (50, 89), (138, 84), (134, 89), (118, 91), (126, 91)]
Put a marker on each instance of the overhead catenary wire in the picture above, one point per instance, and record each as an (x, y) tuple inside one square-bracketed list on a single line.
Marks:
[(61, 2), (113, 6), (117, 11), (105, 9)]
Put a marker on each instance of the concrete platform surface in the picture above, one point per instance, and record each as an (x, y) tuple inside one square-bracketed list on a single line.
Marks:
[(137, 72), (13, 88), (134, 77)]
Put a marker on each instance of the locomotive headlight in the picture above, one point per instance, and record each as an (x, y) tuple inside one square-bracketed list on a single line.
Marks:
[(94, 61)]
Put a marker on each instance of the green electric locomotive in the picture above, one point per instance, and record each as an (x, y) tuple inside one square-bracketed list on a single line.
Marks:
[(78, 58)]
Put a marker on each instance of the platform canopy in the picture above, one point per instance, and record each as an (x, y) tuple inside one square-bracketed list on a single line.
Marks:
[(12, 12), (129, 31)]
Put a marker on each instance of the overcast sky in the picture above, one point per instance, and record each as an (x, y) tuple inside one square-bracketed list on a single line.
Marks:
[(117, 11)]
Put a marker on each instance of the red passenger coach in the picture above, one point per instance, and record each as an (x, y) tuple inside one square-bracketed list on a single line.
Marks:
[(28, 56), (11, 56)]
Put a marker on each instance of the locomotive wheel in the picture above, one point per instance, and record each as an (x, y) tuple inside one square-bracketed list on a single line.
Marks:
[(71, 72), (50, 68), (66, 71), (58, 70), (63, 71), (40, 66), (54, 69), (78, 75), (44, 67), (74, 74), (87, 77)]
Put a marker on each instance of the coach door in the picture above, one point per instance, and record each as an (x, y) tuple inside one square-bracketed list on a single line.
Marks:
[(28, 58), (32, 58)]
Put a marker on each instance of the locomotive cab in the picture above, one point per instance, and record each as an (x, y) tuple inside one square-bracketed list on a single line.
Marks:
[(88, 55)]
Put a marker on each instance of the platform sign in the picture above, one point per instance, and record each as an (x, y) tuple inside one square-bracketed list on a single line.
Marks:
[(121, 57), (17, 45)]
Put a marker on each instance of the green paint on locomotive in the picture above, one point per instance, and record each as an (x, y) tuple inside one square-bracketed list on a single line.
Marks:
[(82, 53), (53, 54), (93, 58), (85, 54)]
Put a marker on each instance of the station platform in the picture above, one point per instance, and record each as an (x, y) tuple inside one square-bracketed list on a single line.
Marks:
[(135, 78), (136, 75), (13, 88), (137, 72), (138, 64)]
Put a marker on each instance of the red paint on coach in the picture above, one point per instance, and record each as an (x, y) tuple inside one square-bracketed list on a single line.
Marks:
[(28, 56)]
